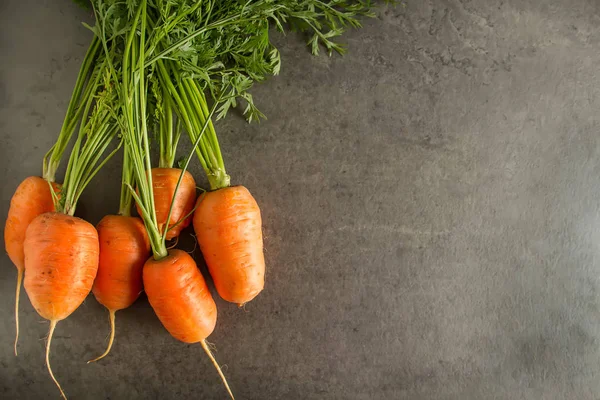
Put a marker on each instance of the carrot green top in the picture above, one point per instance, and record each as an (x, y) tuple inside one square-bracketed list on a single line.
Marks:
[(96, 131), (81, 93)]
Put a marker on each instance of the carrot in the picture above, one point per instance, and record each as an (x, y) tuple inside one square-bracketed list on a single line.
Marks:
[(178, 294), (31, 199), (124, 248), (228, 227), (164, 182), (61, 259), (180, 298)]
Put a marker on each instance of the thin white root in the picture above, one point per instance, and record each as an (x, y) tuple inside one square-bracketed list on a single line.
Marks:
[(111, 316), (50, 334), (212, 358), (17, 295), (174, 244), (195, 244)]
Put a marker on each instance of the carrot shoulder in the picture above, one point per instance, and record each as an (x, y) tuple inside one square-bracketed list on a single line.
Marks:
[(164, 182), (31, 199)]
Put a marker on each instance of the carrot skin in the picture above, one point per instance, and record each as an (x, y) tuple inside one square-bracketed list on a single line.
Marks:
[(61, 262), (180, 297), (124, 248), (32, 198), (164, 181), (228, 228)]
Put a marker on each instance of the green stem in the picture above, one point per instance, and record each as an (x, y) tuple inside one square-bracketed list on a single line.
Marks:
[(87, 156), (190, 105), (181, 110), (212, 134), (71, 175), (160, 248), (126, 199), (80, 93), (136, 133), (167, 140), (195, 103)]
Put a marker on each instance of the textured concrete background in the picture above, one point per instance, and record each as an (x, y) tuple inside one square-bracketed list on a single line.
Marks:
[(431, 214)]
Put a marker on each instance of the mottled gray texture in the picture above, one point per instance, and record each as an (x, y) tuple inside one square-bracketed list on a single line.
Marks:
[(431, 214)]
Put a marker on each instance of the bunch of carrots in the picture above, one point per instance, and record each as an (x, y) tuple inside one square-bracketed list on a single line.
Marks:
[(161, 68)]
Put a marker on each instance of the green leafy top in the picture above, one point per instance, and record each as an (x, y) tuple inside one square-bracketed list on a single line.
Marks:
[(227, 45), (177, 56), (82, 92), (96, 132)]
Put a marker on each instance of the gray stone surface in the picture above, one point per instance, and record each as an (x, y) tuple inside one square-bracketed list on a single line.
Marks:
[(430, 207)]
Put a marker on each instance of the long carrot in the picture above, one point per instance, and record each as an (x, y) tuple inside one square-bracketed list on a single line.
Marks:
[(33, 196), (228, 227), (124, 248)]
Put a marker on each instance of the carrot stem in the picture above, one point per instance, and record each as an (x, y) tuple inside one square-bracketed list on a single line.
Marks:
[(216, 364), (80, 94), (17, 295), (111, 316), (168, 138), (50, 334), (126, 199)]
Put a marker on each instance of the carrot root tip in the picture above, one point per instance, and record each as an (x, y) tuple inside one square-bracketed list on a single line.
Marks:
[(206, 348), (17, 295), (50, 334), (111, 316)]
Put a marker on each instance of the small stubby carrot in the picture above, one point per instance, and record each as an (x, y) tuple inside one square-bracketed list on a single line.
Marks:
[(164, 182), (180, 298), (61, 262), (32, 198), (228, 227), (124, 248)]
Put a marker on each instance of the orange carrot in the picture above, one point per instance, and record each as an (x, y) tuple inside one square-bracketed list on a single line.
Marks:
[(164, 181), (61, 262), (228, 227), (32, 198), (124, 248), (180, 298)]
